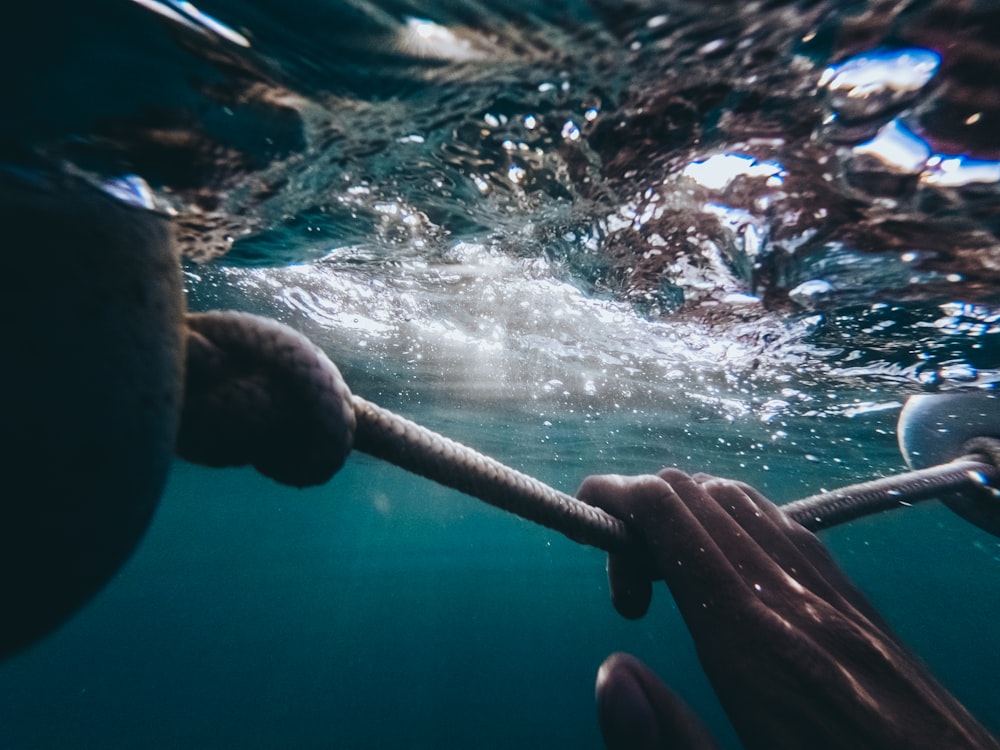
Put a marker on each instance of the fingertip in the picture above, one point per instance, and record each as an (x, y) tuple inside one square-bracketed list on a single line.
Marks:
[(626, 715), (672, 474), (636, 711), (631, 587)]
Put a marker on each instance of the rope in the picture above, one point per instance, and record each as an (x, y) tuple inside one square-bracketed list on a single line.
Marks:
[(828, 509), (388, 436), (259, 392)]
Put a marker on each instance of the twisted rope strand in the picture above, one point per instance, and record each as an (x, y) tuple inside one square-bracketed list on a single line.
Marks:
[(826, 509), (386, 435)]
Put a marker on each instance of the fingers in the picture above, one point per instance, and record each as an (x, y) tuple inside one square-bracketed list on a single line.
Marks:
[(744, 576), (630, 577), (638, 712), (795, 550), (759, 519), (631, 585), (678, 543), (803, 540), (720, 545)]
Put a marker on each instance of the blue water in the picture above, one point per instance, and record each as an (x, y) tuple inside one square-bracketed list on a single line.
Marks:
[(500, 223), (382, 611)]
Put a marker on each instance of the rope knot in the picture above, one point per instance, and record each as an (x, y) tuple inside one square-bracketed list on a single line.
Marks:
[(988, 447), (258, 392)]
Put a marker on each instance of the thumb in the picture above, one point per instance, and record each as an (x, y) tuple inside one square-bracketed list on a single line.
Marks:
[(638, 712)]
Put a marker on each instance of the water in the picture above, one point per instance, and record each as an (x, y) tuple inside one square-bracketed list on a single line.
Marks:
[(579, 237), (380, 611)]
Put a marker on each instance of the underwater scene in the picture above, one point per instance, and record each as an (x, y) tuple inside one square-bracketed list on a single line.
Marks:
[(582, 237)]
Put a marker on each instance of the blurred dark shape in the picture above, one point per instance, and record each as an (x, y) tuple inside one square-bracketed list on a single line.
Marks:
[(91, 321)]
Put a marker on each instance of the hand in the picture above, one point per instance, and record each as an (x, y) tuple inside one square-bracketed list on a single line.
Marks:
[(797, 656)]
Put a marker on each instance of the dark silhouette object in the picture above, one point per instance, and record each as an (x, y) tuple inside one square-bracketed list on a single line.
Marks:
[(91, 320)]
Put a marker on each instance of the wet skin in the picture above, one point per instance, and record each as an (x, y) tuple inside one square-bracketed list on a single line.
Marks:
[(798, 657)]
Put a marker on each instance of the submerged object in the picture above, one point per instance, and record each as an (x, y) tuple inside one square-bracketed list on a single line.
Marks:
[(937, 428), (934, 428), (91, 319)]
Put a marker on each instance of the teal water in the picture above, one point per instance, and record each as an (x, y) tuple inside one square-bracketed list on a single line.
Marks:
[(382, 611)]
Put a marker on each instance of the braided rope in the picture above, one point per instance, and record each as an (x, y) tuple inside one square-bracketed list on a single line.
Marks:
[(388, 436), (826, 509)]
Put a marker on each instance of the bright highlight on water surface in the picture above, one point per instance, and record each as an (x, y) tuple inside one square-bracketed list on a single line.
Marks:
[(717, 171), (880, 71), (131, 189), (421, 37), (898, 147), (956, 171), (186, 14)]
